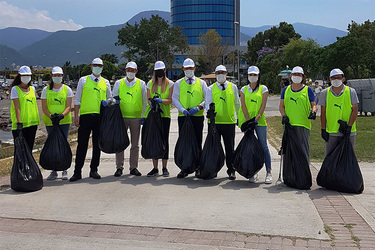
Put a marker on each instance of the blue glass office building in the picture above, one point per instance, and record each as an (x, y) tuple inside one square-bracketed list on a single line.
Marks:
[(196, 17)]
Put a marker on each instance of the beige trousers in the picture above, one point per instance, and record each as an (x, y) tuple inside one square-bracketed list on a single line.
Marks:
[(134, 124)]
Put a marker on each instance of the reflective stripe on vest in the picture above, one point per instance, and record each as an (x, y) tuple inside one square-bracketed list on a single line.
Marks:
[(165, 95), (253, 103), (297, 107), (191, 95), (224, 104), (93, 94), (338, 108), (56, 103), (29, 114), (131, 99)]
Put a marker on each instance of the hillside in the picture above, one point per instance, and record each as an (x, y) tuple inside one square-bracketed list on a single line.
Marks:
[(18, 38)]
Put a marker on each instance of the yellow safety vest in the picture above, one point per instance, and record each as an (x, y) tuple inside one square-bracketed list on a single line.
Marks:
[(338, 108), (56, 103), (253, 102), (93, 94), (191, 95), (165, 95), (224, 104), (29, 114), (297, 107), (131, 99)]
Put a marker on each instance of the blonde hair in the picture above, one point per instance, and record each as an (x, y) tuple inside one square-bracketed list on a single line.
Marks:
[(164, 84)]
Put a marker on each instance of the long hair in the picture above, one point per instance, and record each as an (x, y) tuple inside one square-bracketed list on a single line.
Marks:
[(155, 86), (258, 82), (17, 81)]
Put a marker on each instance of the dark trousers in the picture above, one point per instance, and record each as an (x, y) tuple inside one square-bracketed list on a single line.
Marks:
[(197, 122), (166, 127), (29, 135), (88, 123), (227, 131)]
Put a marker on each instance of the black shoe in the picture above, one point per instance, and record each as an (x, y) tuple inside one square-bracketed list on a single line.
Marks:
[(198, 174), (153, 172), (75, 177), (118, 172), (95, 175), (182, 174), (232, 174), (135, 172)]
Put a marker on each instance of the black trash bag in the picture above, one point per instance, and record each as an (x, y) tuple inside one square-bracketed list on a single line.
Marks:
[(56, 153), (212, 159), (340, 170), (25, 175), (296, 167), (153, 142), (249, 155), (113, 137), (187, 153)]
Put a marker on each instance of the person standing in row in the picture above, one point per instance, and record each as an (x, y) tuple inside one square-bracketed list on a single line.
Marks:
[(56, 103), (189, 98), (163, 87), (318, 89), (133, 101), (339, 102), (24, 109), (298, 107), (225, 96), (92, 91), (253, 103)]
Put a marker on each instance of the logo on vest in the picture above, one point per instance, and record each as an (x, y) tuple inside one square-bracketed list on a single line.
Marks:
[(294, 100), (58, 100), (222, 98), (97, 90), (30, 100), (336, 105), (256, 101), (191, 93), (131, 94)]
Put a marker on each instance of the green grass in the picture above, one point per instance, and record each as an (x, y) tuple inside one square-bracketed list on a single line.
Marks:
[(364, 145)]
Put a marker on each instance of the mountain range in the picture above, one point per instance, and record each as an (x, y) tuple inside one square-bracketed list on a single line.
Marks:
[(20, 46)]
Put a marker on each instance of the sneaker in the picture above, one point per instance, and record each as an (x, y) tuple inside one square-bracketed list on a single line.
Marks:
[(182, 174), (153, 172), (135, 172), (165, 172), (254, 178), (64, 175), (52, 176), (268, 179)]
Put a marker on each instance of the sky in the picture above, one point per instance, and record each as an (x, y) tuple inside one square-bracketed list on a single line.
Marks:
[(53, 15)]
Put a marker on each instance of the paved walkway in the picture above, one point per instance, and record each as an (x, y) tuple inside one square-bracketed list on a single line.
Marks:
[(169, 213)]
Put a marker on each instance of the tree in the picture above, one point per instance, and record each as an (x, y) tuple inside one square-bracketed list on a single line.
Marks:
[(153, 39), (212, 51), (112, 58)]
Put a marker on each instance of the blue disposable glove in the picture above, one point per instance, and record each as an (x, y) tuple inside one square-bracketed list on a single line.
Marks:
[(117, 101), (142, 121), (159, 100), (185, 112), (105, 103), (193, 111)]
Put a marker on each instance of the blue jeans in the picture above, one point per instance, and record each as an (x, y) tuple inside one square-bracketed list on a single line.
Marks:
[(64, 128), (262, 137)]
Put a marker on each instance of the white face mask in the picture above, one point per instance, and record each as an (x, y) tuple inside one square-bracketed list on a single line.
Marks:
[(253, 78), (189, 73), (130, 75), (25, 79), (221, 78), (57, 79), (97, 70), (297, 79), (336, 82)]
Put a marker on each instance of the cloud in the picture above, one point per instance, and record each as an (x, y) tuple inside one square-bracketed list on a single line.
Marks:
[(12, 16)]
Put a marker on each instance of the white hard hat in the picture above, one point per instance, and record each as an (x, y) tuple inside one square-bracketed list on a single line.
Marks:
[(97, 61), (188, 63), (298, 69), (24, 70), (253, 70), (132, 65), (336, 72), (220, 68), (159, 65), (57, 70)]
